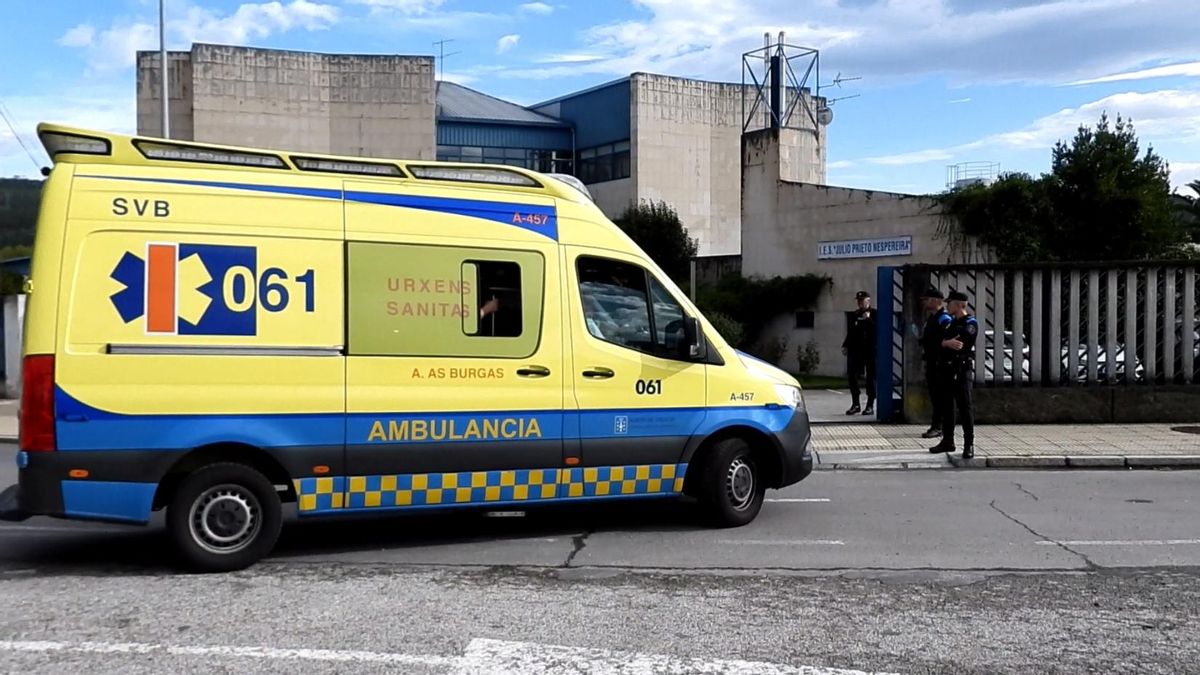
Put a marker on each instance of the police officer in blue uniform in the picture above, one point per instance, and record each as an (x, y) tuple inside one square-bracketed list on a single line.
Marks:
[(956, 364), (931, 345)]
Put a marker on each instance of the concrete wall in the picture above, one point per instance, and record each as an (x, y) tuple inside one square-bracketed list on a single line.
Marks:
[(686, 140), (378, 106), (613, 196), (783, 221), (149, 95)]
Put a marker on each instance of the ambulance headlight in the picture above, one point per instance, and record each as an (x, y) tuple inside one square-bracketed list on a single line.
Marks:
[(790, 396)]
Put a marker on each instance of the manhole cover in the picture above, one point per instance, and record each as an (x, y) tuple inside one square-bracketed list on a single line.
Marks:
[(1186, 430)]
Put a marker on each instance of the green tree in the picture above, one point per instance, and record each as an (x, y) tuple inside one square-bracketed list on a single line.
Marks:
[(1110, 201), (656, 228), (1104, 199)]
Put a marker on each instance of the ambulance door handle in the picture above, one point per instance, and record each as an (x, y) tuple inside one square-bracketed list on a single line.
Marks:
[(598, 373), (533, 371)]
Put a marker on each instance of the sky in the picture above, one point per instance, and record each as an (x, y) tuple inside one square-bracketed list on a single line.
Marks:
[(940, 82)]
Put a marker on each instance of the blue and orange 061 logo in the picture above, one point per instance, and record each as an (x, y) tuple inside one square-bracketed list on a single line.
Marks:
[(204, 289)]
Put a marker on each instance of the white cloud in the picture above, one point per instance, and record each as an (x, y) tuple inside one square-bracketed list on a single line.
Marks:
[(569, 58), (1183, 173), (1167, 115), (410, 7), (536, 8), (1174, 70), (840, 164), (116, 47), (886, 42), (79, 36), (959, 101), (507, 43)]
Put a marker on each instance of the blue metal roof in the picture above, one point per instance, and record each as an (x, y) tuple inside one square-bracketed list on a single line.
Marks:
[(493, 135), (459, 103)]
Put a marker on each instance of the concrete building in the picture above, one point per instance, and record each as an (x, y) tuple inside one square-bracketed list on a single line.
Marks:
[(379, 106), (642, 137), (793, 227)]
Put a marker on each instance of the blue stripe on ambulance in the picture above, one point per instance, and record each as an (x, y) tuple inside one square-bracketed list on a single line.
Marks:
[(82, 427), (537, 218)]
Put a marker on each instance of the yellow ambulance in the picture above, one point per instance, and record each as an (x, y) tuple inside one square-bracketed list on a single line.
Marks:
[(217, 331)]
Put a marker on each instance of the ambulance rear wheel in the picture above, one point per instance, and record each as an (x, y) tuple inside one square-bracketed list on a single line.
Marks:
[(224, 517), (732, 486)]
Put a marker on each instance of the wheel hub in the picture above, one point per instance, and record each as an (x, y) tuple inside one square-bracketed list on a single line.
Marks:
[(740, 483), (225, 518)]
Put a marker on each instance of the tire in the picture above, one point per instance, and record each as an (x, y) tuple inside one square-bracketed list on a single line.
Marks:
[(224, 517), (732, 486)]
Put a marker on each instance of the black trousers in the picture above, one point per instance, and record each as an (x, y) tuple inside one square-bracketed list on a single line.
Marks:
[(933, 380), (856, 364), (958, 379)]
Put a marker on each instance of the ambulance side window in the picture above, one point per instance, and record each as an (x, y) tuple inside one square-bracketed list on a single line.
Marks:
[(625, 305)]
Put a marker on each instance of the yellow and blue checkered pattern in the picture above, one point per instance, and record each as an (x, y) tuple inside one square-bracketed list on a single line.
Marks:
[(331, 493)]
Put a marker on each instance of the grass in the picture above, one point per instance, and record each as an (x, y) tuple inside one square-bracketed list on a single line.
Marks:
[(823, 382)]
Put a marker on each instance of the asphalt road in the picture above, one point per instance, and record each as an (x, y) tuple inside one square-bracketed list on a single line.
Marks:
[(879, 571)]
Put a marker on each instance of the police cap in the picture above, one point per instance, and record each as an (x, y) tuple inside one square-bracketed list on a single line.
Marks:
[(861, 294), (933, 293), (958, 295)]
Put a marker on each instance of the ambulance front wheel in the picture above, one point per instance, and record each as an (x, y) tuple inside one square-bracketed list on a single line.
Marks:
[(732, 486), (224, 517)]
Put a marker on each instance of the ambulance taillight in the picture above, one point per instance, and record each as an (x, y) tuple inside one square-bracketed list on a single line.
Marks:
[(37, 404)]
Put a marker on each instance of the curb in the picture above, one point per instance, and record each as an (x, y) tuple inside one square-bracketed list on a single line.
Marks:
[(1078, 462)]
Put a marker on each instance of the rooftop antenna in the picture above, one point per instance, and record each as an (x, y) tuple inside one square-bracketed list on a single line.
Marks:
[(441, 45), (162, 61)]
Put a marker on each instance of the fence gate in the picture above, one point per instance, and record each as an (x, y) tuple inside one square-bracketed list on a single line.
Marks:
[(1122, 330)]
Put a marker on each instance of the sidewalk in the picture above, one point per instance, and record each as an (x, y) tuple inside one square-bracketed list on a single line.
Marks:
[(1013, 446)]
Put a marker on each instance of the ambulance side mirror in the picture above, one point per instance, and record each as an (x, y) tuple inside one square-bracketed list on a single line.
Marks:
[(694, 340)]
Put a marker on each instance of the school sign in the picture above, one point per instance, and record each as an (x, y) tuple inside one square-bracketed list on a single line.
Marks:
[(865, 248)]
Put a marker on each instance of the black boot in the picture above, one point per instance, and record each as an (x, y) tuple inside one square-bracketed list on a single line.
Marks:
[(943, 447), (932, 432), (968, 451), (870, 409), (854, 410)]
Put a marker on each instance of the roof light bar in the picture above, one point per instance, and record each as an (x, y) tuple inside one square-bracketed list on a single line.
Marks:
[(57, 142), (343, 166), (473, 175), (573, 182), (187, 153)]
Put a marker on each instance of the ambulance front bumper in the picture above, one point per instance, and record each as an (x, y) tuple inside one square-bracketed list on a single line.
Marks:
[(795, 449)]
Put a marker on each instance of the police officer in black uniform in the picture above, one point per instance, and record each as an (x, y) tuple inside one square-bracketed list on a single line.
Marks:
[(931, 345), (957, 366), (859, 348)]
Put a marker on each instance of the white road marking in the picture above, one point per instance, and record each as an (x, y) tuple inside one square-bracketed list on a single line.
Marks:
[(783, 542), (833, 391), (810, 500), (481, 657), (499, 656), (1120, 542)]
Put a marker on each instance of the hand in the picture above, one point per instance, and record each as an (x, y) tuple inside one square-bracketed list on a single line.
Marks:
[(845, 351), (953, 343), (489, 307)]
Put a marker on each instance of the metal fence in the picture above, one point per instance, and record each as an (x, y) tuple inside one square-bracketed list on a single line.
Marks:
[(1078, 326)]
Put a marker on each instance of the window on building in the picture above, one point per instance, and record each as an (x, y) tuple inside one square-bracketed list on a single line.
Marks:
[(605, 162), (625, 305), (805, 319), (546, 161), (412, 300)]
